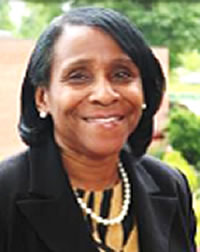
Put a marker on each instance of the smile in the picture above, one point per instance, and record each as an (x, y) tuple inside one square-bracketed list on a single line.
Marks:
[(104, 120)]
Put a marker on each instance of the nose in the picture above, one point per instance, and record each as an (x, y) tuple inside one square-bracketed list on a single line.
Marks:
[(103, 93)]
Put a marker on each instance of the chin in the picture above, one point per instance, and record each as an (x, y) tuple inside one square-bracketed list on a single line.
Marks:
[(105, 150)]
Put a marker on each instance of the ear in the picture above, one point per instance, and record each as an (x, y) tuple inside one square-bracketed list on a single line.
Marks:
[(41, 99)]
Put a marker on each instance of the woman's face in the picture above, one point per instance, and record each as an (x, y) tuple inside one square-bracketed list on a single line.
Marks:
[(95, 94)]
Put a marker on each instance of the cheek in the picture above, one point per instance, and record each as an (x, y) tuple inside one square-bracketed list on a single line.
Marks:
[(134, 120), (63, 101), (134, 96), (136, 91), (61, 110)]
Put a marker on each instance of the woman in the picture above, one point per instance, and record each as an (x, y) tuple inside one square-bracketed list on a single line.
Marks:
[(84, 184)]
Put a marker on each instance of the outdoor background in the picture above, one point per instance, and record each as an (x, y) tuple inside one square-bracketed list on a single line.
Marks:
[(172, 28)]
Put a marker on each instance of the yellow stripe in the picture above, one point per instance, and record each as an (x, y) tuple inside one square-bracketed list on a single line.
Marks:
[(97, 207), (115, 234), (132, 243)]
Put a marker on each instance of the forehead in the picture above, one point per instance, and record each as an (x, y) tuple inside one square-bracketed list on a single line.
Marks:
[(77, 41)]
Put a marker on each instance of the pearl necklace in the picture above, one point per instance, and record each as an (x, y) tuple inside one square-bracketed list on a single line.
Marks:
[(125, 206)]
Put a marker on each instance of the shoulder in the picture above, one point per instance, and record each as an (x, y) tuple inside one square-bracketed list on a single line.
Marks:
[(168, 179), (13, 171), (13, 162), (158, 169), (14, 175)]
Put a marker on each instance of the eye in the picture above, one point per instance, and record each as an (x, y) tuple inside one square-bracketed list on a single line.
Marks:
[(78, 77), (122, 75)]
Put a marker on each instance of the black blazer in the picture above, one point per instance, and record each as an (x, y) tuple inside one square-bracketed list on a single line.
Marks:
[(39, 213)]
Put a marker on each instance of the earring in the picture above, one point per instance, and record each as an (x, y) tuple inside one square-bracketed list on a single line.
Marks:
[(43, 114), (144, 106)]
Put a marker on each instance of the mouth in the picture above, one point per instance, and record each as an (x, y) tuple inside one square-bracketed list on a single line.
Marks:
[(104, 120)]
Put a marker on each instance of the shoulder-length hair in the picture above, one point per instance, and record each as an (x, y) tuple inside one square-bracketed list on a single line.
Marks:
[(34, 130)]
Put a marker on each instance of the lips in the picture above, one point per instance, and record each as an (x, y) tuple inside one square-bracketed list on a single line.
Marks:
[(104, 119)]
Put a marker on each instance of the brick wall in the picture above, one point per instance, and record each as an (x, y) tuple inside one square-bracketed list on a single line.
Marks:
[(160, 119), (13, 57)]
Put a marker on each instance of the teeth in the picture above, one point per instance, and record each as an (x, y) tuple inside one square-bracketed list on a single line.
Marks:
[(104, 120)]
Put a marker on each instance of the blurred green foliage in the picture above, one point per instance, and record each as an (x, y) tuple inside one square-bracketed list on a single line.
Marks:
[(40, 15), (5, 21), (183, 134), (197, 213), (174, 24), (190, 60)]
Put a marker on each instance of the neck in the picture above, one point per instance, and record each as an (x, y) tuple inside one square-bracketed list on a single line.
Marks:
[(90, 174)]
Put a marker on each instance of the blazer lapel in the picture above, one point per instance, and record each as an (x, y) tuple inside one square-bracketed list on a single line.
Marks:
[(154, 211), (51, 208)]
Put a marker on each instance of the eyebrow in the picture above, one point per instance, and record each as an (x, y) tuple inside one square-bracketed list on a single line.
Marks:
[(79, 62), (126, 60)]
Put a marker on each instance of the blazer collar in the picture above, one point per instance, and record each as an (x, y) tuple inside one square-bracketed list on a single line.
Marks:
[(154, 210), (52, 209)]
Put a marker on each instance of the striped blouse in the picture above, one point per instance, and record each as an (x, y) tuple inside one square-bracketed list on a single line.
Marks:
[(121, 237)]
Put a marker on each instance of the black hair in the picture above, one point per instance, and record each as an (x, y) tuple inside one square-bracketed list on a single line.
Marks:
[(34, 130)]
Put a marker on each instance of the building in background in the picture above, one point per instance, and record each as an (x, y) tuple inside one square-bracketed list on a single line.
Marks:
[(14, 55)]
